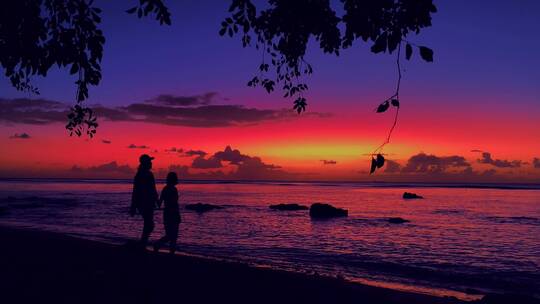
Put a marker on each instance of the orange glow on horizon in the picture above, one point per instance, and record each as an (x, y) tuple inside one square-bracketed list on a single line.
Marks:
[(296, 145)]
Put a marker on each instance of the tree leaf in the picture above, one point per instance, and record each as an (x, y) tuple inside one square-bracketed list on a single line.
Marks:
[(300, 105), (373, 165), (74, 69), (380, 161), (408, 51), (380, 44), (383, 107), (395, 103), (426, 53)]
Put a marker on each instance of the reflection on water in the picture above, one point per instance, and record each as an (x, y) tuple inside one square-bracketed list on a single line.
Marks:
[(460, 239)]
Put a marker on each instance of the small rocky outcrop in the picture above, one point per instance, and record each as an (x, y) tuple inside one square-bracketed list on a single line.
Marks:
[(319, 210), (397, 220), (288, 207), (409, 195), (202, 207)]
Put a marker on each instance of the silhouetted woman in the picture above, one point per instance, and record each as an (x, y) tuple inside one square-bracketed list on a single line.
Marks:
[(171, 213), (144, 196)]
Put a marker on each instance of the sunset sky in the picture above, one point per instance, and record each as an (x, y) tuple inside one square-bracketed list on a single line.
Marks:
[(473, 115)]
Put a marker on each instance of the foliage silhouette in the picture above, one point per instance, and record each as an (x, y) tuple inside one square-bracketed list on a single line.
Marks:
[(36, 35), (155, 7), (283, 29)]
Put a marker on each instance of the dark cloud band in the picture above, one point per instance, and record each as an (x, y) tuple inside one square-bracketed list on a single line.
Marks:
[(20, 136), (190, 111)]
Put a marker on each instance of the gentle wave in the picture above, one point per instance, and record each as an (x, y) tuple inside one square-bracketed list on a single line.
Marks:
[(522, 220), (476, 239), (500, 186)]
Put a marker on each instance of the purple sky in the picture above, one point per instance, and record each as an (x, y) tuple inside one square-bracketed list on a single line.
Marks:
[(482, 48), (482, 92)]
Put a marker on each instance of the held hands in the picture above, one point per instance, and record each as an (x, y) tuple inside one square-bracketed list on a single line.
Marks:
[(158, 203)]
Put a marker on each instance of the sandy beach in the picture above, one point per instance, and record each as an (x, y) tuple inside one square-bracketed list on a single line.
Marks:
[(71, 270)]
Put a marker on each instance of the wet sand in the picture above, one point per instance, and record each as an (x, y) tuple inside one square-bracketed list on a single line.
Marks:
[(43, 267)]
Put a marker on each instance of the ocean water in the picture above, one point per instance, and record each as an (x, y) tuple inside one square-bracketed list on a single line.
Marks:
[(460, 241)]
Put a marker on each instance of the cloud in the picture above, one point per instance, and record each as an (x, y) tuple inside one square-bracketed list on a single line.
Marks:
[(112, 114), (184, 173), (186, 153), (392, 166), (486, 159), (429, 168), (250, 167), (172, 100), (230, 155), (20, 136), (105, 141), (536, 162), (133, 146), (255, 168), (174, 150), (476, 151), (190, 153), (424, 163), (247, 167), (191, 111), (328, 162), (108, 169), (32, 111), (489, 172), (203, 163), (181, 170), (200, 116)]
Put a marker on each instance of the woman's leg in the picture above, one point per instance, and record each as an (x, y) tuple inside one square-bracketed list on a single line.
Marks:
[(160, 242), (172, 234)]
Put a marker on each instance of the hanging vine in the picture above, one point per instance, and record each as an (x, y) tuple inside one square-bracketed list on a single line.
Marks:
[(377, 156), (283, 29)]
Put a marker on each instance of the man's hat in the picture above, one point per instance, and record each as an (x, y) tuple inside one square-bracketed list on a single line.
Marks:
[(145, 158)]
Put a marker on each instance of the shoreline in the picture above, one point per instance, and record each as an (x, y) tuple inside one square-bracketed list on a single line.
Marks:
[(376, 184), (64, 268), (67, 269)]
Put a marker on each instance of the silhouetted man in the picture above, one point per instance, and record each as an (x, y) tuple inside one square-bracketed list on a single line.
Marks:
[(145, 196)]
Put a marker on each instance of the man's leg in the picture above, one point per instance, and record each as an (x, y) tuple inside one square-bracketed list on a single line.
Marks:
[(148, 217)]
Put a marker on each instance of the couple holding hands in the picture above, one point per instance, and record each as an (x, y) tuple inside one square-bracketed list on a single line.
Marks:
[(145, 199)]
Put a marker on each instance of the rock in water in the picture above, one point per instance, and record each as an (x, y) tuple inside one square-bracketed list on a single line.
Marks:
[(288, 207), (409, 195), (319, 210), (202, 207), (397, 220)]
